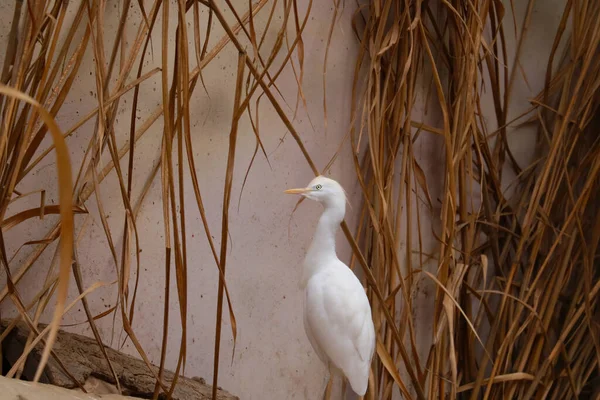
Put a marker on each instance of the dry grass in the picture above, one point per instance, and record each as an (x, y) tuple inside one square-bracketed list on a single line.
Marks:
[(515, 310)]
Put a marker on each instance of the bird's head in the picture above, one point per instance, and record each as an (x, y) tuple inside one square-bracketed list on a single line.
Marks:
[(324, 190)]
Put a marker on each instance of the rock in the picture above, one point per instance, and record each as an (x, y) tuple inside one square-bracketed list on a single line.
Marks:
[(13, 389), (83, 359)]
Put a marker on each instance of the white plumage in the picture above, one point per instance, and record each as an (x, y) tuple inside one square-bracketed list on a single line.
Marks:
[(337, 314)]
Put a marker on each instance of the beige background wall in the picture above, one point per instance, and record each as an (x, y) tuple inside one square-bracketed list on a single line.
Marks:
[(273, 359)]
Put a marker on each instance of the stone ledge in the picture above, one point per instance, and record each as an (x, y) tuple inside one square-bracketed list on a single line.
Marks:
[(84, 361)]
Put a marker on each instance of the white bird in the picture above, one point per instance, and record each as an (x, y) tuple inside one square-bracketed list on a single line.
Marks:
[(337, 314)]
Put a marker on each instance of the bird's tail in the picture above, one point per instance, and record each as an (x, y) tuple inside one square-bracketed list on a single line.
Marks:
[(359, 378)]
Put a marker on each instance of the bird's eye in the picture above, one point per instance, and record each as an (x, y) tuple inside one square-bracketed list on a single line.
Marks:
[(318, 187)]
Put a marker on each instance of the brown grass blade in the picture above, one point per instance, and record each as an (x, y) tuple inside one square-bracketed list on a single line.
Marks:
[(66, 213)]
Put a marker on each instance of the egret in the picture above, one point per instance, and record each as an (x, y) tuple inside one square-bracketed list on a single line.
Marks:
[(337, 314)]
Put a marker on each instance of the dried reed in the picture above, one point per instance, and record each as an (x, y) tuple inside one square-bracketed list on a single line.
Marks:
[(514, 314), (523, 324)]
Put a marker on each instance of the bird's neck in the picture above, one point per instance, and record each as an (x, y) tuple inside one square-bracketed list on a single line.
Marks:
[(322, 248)]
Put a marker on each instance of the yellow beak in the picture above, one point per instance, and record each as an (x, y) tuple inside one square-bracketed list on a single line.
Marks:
[(297, 191)]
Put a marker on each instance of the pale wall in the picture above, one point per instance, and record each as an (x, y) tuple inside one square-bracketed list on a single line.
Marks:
[(273, 359)]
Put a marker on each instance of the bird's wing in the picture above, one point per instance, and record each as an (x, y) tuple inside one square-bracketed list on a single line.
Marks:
[(365, 345), (311, 337), (339, 317)]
